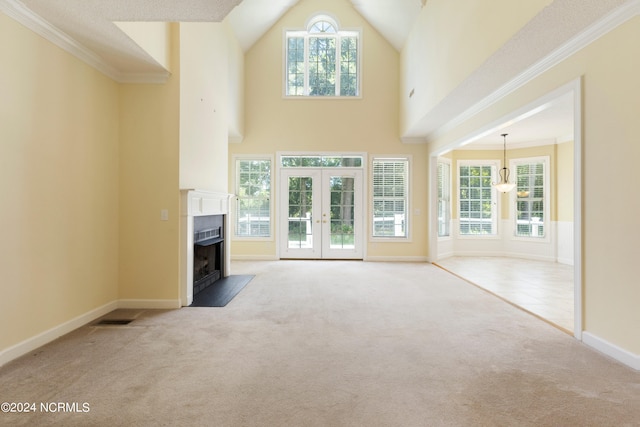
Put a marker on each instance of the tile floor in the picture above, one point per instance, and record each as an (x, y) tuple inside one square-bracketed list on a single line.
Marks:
[(542, 288)]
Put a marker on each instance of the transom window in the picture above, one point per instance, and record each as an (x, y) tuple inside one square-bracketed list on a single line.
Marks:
[(313, 161), (322, 60), (531, 197), (477, 209)]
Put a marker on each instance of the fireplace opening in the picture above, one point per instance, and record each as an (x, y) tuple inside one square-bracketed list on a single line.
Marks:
[(208, 251)]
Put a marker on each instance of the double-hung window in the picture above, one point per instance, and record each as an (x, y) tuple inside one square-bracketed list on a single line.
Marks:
[(390, 197), (253, 190), (477, 204), (322, 60), (532, 196), (444, 198)]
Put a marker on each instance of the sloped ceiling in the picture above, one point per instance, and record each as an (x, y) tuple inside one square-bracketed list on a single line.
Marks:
[(88, 27), (90, 23), (392, 18)]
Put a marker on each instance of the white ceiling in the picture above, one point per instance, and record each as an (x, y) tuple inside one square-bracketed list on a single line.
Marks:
[(550, 123), (392, 18), (90, 23)]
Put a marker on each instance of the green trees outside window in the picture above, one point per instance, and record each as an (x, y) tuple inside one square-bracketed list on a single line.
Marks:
[(322, 61), (253, 189)]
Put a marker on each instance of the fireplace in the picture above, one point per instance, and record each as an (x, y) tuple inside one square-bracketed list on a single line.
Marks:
[(208, 251), (204, 251)]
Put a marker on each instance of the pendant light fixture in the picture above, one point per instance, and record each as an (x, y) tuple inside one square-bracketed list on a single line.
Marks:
[(504, 185)]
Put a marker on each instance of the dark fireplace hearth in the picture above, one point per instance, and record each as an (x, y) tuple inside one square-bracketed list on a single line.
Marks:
[(208, 251)]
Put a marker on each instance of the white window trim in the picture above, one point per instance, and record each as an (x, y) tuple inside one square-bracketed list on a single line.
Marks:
[(304, 32), (495, 213), (281, 154), (409, 237), (234, 212), (451, 230), (547, 199)]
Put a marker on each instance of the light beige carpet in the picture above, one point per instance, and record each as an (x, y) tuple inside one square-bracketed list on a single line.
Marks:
[(311, 343)]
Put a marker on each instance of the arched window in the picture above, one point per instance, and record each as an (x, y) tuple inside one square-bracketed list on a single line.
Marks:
[(322, 27), (322, 60)]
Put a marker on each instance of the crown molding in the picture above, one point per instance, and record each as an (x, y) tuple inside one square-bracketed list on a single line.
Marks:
[(150, 78), (608, 23), (35, 23), (16, 10)]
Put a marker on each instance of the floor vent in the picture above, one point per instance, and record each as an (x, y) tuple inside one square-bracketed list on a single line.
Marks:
[(113, 322)]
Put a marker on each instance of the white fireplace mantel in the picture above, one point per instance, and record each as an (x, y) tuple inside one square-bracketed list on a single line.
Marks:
[(199, 203)]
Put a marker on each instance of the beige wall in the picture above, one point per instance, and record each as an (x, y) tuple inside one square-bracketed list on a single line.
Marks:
[(235, 87), (204, 106), (450, 40), (88, 166), (565, 171), (149, 162), (610, 128), (59, 159), (369, 124)]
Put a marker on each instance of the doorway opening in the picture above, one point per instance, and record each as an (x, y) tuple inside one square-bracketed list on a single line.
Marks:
[(551, 123)]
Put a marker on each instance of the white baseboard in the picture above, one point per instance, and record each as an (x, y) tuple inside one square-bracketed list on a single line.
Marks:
[(612, 350), (565, 261), (254, 258), (397, 259), (500, 254), (165, 304), (445, 255), (47, 336)]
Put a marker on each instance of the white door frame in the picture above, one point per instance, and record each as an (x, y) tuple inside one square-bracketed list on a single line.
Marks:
[(575, 88), (360, 173)]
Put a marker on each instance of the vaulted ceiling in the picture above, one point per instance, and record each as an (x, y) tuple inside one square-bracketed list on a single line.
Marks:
[(89, 27), (91, 23)]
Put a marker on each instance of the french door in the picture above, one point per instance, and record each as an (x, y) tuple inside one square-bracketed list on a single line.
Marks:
[(321, 215)]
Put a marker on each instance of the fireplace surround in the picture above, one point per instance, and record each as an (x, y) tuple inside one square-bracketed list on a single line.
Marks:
[(203, 214)]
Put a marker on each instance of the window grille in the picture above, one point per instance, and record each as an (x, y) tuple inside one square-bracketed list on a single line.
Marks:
[(476, 199), (322, 61), (530, 198), (253, 189), (319, 161)]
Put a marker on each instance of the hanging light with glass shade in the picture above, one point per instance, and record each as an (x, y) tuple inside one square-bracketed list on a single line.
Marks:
[(504, 185)]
